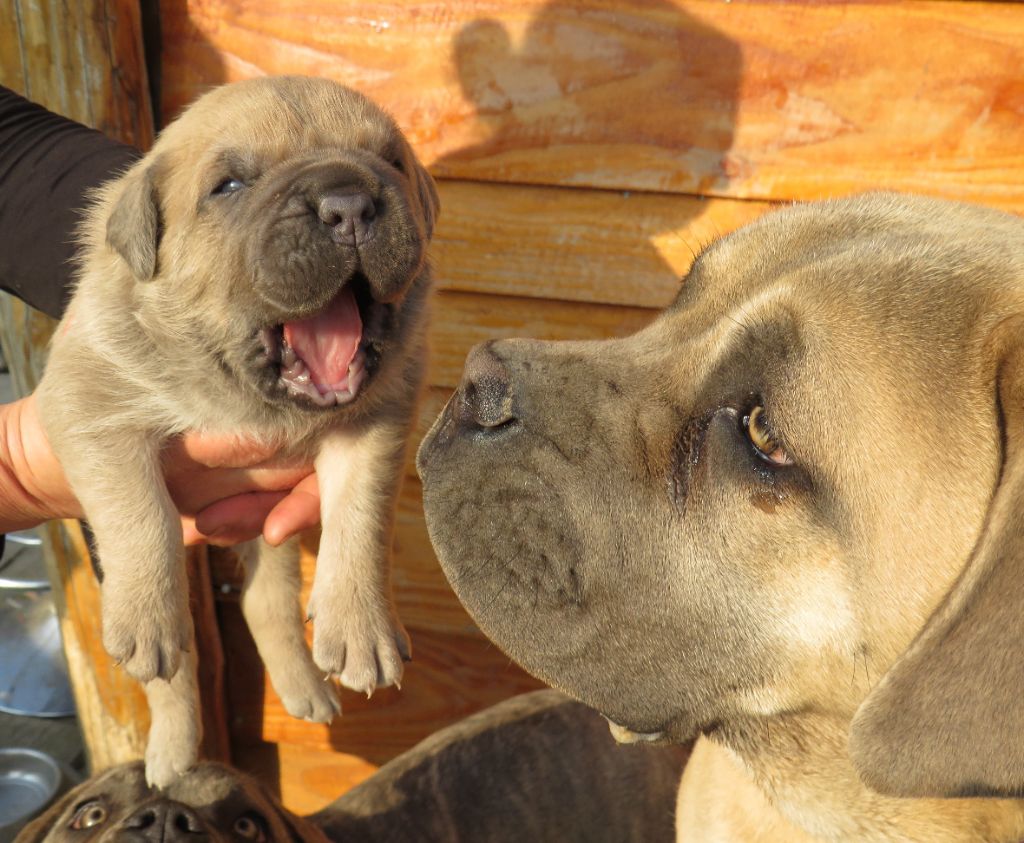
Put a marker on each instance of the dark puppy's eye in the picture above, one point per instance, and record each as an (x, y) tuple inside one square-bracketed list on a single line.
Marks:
[(251, 826), (228, 186), (758, 431), (398, 163), (89, 815)]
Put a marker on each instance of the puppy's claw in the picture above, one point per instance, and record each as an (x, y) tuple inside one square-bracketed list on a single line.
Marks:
[(360, 639)]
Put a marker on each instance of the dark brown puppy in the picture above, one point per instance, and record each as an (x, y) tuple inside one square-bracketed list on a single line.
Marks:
[(788, 506), (262, 272), (537, 768)]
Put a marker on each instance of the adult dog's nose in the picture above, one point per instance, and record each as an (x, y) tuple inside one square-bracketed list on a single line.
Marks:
[(485, 395), (164, 821), (350, 215)]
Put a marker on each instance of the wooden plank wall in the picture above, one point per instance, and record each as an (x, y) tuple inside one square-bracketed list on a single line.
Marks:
[(584, 151)]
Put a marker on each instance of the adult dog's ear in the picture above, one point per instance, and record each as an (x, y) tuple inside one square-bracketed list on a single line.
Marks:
[(134, 225), (429, 199), (947, 719)]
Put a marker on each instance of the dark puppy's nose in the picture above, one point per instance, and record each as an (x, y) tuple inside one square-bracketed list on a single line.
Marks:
[(350, 214), (164, 822), (485, 393)]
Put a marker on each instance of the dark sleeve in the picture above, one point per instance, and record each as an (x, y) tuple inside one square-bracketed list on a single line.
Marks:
[(47, 166)]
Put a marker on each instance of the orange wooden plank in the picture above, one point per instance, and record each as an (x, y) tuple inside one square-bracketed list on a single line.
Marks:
[(603, 246), (304, 779), (764, 100)]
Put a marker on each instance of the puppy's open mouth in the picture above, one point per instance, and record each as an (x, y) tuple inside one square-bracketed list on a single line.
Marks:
[(328, 357)]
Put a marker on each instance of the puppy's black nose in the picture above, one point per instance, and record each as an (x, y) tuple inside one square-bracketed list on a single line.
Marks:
[(485, 395), (164, 822), (350, 215)]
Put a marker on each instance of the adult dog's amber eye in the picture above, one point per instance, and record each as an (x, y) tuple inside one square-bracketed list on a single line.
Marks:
[(762, 438), (90, 815)]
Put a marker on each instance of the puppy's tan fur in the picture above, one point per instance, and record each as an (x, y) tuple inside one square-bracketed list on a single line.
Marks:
[(842, 632), (178, 280)]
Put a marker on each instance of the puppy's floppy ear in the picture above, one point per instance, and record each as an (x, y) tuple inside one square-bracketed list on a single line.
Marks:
[(429, 200), (301, 830), (134, 225), (948, 718)]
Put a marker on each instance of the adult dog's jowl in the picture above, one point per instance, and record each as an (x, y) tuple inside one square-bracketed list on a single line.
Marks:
[(261, 272), (785, 517)]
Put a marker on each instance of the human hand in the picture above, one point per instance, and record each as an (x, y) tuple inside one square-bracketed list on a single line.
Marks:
[(230, 489), (227, 489)]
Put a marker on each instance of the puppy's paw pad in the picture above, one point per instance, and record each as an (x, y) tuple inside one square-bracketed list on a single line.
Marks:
[(150, 655), (147, 644), (318, 703)]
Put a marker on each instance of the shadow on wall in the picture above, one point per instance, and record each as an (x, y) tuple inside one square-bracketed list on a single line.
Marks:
[(628, 96)]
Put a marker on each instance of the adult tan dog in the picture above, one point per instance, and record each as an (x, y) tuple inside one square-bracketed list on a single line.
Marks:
[(784, 517), (537, 767), (262, 272)]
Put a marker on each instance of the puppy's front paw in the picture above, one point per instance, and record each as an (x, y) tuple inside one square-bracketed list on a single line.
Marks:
[(171, 750), (306, 693), (365, 647), (145, 635)]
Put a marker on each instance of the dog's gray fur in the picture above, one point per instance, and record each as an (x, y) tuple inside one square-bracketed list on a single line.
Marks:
[(836, 614), (179, 283)]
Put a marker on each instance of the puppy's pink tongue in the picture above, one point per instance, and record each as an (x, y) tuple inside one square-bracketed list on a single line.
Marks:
[(328, 342)]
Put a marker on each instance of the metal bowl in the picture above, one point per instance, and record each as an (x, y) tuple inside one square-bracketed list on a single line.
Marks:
[(29, 781)]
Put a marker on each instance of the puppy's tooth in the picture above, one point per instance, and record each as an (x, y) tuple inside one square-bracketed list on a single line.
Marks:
[(288, 356)]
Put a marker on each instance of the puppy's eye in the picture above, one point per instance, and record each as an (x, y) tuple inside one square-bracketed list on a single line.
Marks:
[(228, 186), (251, 827), (761, 437), (398, 163), (89, 815)]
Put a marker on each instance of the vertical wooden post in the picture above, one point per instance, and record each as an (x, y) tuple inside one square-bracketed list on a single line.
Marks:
[(85, 60)]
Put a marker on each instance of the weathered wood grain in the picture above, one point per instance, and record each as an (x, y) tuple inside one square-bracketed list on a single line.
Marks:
[(596, 246), (83, 60), (760, 100)]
